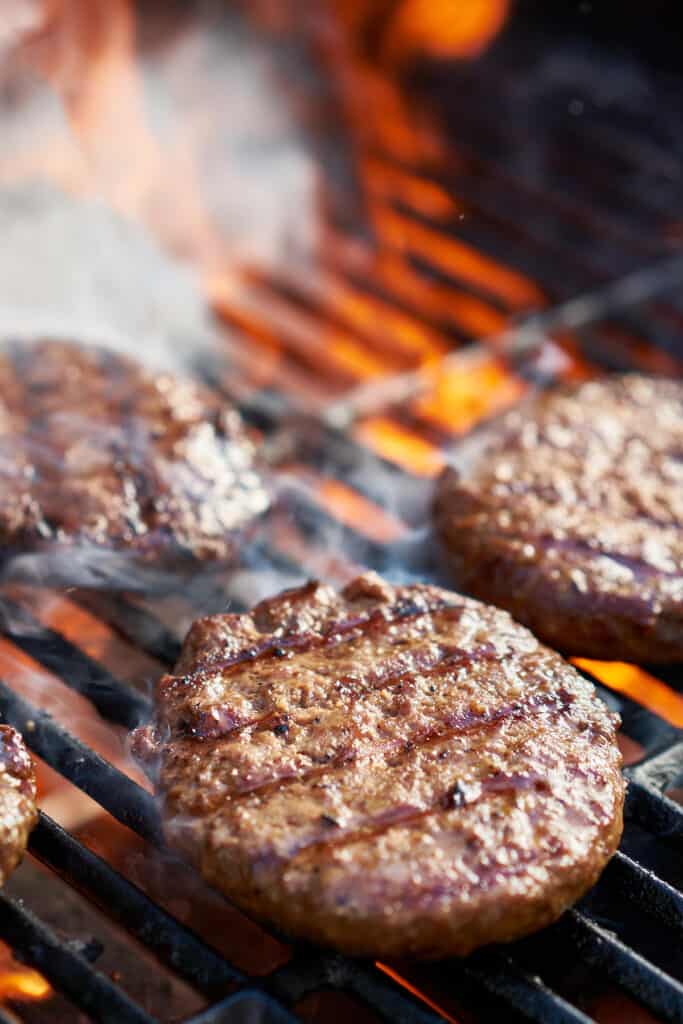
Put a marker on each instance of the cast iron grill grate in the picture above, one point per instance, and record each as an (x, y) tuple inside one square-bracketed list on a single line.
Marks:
[(520, 978)]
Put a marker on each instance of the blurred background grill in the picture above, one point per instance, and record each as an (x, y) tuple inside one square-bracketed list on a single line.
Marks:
[(371, 225)]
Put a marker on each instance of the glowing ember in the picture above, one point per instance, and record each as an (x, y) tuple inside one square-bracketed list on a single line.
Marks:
[(402, 446), (23, 984), (404, 983), (441, 28), (461, 395), (354, 510), (458, 258), (642, 687), (390, 181)]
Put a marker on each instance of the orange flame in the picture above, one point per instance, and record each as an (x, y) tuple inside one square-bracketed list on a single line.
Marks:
[(24, 984), (422, 996), (400, 445), (351, 508), (441, 28), (457, 258), (462, 394), (644, 688)]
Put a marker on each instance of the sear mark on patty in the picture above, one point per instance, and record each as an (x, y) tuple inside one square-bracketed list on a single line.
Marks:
[(94, 448), (443, 780), (568, 512)]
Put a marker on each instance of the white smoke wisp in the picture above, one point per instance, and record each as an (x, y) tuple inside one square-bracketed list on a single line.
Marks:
[(71, 269)]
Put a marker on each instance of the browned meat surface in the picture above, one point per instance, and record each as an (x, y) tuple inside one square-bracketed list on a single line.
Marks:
[(18, 812), (568, 511), (95, 448), (391, 770)]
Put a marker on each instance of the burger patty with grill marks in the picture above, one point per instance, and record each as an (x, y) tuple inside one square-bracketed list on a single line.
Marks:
[(94, 448), (568, 512), (391, 771), (18, 812)]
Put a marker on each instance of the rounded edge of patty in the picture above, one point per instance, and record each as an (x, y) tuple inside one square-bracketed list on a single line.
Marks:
[(328, 790), (602, 579), (98, 451), (18, 812)]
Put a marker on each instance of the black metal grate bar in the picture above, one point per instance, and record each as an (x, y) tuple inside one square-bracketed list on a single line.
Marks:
[(123, 798), (312, 970), (67, 970), (653, 895), (526, 993), (118, 794), (622, 965), (174, 944), (655, 812), (115, 701), (132, 622)]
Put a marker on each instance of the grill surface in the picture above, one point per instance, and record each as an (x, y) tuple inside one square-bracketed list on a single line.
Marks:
[(567, 260)]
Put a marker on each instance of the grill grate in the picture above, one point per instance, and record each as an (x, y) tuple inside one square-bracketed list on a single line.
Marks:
[(571, 227), (504, 977)]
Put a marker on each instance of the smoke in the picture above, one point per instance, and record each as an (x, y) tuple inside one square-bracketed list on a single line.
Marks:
[(73, 269)]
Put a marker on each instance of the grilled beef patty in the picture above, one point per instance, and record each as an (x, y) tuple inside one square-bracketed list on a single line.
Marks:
[(568, 511), (18, 812), (389, 770), (95, 448)]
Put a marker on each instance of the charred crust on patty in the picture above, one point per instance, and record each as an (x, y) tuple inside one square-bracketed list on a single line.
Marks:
[(100, 451), (568, 512), (422, 830), (18, 813)]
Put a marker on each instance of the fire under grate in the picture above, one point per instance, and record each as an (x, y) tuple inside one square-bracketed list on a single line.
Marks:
[(520, 980), (557, 260)]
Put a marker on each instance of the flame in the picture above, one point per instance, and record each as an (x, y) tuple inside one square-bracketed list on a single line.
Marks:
[(642, 687), (441, 28), (461, 395), (111, 87), (23, 984), (456, 257), (77, 625), (396, 147), (391, 181), (400, 445), (351, 508), (422, 996)]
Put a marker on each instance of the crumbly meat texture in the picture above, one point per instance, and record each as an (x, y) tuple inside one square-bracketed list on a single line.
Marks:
[(96, 449), (391, 771), (18, 812), (568, 512)]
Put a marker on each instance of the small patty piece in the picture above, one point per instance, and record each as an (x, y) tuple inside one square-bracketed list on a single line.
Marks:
[(18, 812), (96, 449), (391, 771), (568, 511)]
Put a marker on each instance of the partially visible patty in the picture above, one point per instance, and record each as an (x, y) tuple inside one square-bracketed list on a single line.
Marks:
[(568, 511), (18, 812), (94, 448), (394, 771)]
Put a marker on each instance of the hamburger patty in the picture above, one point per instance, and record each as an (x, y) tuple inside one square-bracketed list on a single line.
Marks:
[(387, 770), (18, 812), (568, 511), (95, 448)]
